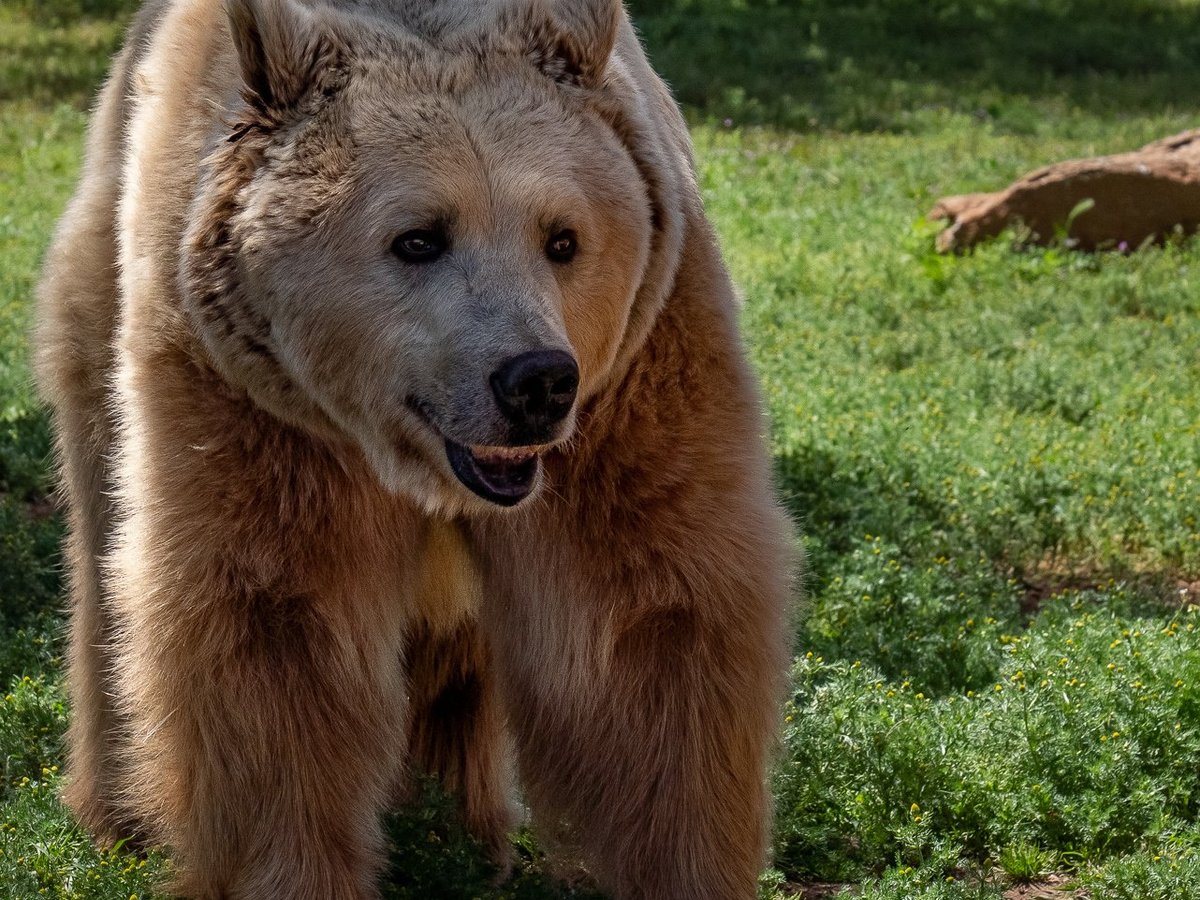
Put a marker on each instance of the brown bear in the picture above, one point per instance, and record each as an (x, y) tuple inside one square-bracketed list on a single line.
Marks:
[(403, 419)]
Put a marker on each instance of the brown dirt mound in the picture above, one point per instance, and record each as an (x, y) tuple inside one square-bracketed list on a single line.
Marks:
[(1137, 197)]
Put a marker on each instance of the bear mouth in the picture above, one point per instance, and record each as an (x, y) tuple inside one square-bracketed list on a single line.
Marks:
[(503, 475)]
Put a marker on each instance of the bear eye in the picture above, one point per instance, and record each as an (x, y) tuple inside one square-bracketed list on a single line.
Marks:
[(421, 245), (561, 246)]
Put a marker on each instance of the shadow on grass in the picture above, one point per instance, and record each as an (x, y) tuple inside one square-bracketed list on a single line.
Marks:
[(866, 65), (431, 855), (30, 568), (796, 64), (837, 501)]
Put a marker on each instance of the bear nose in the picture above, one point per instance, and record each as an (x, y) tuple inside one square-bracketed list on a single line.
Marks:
[(535, 390)]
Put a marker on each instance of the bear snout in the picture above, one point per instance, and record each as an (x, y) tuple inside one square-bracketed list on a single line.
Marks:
[(535, 391)]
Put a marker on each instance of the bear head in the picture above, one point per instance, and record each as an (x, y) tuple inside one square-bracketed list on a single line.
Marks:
[(433, 232)]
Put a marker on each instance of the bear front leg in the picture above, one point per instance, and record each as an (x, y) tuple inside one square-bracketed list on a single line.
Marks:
[(267, 723), (643, 673), (94, 750), (77, 309), (265, 740)]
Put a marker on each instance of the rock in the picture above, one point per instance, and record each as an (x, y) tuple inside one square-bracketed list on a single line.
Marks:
[(1135, 197)]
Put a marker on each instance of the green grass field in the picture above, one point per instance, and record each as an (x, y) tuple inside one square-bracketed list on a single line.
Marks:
[(994, 459)]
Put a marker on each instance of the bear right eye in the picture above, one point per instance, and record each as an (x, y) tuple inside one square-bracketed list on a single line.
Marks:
[(421, 245)]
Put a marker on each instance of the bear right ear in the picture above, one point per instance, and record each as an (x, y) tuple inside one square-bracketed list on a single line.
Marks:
[(571, 40), (279, 49)]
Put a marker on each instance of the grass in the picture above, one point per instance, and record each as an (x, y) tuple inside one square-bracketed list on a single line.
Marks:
[(994, 458)]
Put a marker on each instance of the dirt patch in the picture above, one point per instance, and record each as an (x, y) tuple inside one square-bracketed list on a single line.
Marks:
[(37, 507), (1049, 578), (817, 890), (1188, 591), (1045, 582), (41, 507), (1056, 887)]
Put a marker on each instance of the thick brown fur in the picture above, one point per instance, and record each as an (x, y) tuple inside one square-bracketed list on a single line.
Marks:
[(283, 600)]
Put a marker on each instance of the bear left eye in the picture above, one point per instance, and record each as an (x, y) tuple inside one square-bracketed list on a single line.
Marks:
[(561, 246), (420, 245)]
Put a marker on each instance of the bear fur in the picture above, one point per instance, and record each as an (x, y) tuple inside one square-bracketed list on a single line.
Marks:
[(285, 597)]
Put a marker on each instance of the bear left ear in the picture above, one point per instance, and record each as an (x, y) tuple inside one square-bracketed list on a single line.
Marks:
[(279, 49), (571, 40)]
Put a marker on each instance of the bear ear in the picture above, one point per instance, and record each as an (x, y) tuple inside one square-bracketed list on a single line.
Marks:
[(571, 40), (279, 49)]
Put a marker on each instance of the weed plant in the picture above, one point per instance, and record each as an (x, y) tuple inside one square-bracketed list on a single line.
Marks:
[(1081, 748)]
